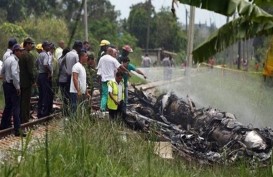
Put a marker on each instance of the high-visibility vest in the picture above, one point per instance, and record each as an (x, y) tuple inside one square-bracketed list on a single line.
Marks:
[(110, 103)]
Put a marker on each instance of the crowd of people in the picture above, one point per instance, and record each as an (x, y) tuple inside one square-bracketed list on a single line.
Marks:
[(72, 72)]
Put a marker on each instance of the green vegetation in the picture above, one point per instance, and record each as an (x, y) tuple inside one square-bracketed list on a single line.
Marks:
[(2, 101), (103, 148)]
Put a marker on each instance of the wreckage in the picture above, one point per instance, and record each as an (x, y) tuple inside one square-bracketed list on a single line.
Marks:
[(206, 134)]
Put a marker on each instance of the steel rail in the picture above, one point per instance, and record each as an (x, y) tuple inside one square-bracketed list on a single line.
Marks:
[(6, 132)]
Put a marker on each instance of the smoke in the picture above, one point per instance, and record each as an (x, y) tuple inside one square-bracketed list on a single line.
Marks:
[(239, 93)]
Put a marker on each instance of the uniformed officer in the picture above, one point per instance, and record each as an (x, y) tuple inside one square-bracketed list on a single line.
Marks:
[(12, 92), (26, 64), (90, 68), (44, 81)]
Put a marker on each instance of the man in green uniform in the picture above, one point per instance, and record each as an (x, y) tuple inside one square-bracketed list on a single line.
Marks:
[(26, 64), (90, 69)]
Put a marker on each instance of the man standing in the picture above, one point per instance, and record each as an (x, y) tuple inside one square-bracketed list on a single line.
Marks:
[(126, 50), (59, 50), (26, 64), (116, 96), (62, 79), (167, 67), (11, 86), (44, 81), (11, 43), (72, 58), (146, 61), (78, 82), (90, 68), (107, 67), (104, 44), (126, 63)]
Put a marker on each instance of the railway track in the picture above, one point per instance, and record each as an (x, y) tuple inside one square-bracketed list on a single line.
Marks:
[(29, 125)]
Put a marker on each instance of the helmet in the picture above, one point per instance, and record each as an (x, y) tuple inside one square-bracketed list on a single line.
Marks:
[(127, 48), (104, 42), (39, 47)]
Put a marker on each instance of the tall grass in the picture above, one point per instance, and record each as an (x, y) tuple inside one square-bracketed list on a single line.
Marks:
[(88, 147)]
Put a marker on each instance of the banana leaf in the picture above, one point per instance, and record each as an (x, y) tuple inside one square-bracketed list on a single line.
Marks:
[(228, 7), (236, 30), (253, 21)]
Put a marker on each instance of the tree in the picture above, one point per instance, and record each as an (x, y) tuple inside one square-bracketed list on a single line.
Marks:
[(165, 31), (8, 30), (44, 28), (17, 10), (138, 22), (168, 32)]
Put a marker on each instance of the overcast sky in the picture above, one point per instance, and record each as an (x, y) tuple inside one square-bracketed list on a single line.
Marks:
[(201, 16)]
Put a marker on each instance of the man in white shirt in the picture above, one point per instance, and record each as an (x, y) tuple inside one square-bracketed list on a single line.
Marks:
[(107, 67), (78, 81)]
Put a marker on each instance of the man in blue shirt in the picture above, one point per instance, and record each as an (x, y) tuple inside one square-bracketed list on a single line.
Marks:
[(12, 91)]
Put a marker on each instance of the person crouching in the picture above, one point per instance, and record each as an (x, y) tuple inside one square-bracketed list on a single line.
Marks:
[(115, 99)]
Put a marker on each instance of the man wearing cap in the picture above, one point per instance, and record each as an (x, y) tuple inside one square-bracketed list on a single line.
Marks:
[(39, 48), (12, 92), (104, 44), (44, 81), (11, 43), (126, 50), (26, 64)]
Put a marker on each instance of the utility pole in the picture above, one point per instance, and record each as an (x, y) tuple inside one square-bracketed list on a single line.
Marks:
[(190, 36), (227, 49), (239, 56), (186, 19), (148, 26), (85, 20)]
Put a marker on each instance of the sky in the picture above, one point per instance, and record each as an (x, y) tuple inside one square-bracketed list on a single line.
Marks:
[(201, 16)]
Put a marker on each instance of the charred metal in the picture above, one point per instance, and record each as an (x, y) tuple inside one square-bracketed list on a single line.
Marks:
[(207, 135)]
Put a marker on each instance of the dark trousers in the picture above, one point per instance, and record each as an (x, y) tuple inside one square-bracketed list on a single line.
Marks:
[(64, 87), (25, 104), (12, 107), (45, 102), (114, 114), (76, 102)]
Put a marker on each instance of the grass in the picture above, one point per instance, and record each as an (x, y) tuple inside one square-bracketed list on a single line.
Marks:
[(97, 148), (90, 147)]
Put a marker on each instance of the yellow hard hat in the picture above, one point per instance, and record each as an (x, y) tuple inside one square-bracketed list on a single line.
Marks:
[(104, 42), (39, 47)]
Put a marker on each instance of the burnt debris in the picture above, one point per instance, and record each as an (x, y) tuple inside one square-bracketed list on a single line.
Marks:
[(206, 135)]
